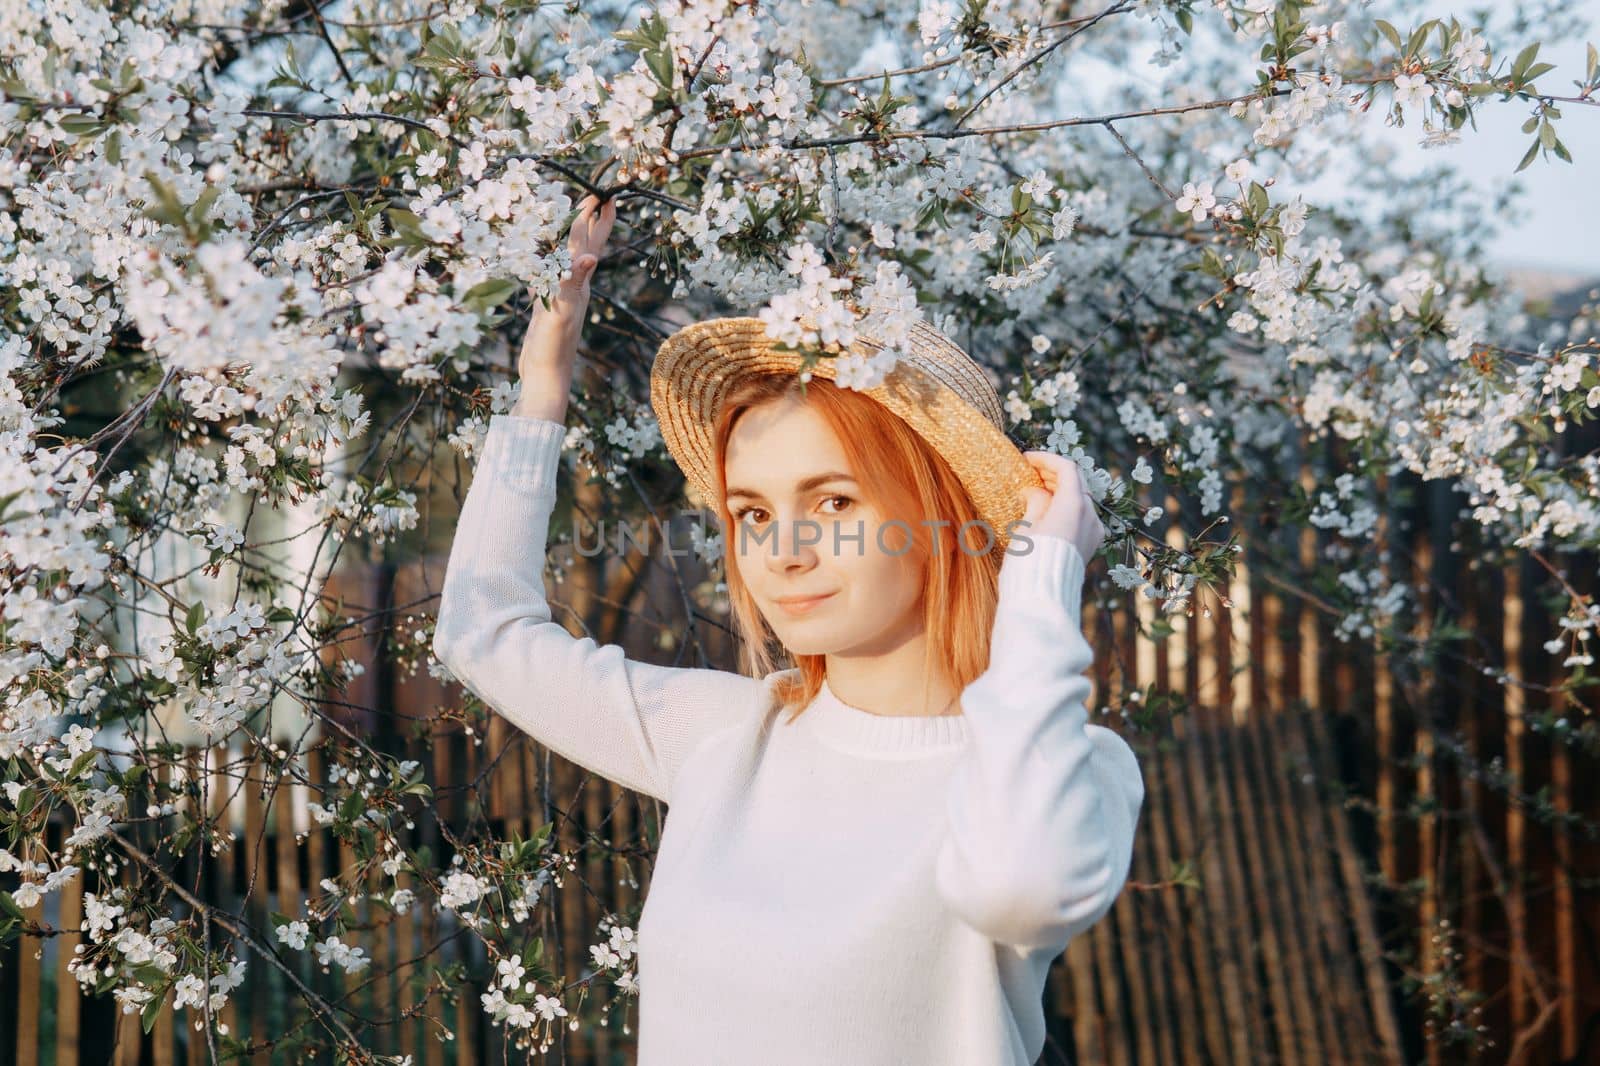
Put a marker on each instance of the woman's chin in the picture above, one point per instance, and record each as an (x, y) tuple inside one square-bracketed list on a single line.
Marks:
[(797, 640)]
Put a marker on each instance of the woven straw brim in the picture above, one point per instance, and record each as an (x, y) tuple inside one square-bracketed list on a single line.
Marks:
[(939, 392)]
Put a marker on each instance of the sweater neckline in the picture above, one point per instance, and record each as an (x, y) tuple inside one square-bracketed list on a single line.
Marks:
[(862, 732)]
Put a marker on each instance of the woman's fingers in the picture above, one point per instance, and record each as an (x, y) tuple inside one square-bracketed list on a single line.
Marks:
[(601, 222), (583, 225), (1065, 507), (592, 226), (1046, 464), (1035, 502), (1066, 471), (1061, 475)]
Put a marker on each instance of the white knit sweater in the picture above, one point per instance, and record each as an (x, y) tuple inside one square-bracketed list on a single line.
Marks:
[(852, 889)]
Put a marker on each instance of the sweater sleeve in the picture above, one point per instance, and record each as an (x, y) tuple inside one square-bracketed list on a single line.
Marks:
[(629, 721), (1043, 805)]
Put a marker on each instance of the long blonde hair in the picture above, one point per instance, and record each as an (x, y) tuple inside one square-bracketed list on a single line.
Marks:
[(904, 478)]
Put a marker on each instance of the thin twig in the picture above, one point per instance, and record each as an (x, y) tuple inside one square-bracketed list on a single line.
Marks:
[(1037, 57), (1128, 148), (982, 131), (213, 914), (322, 28)]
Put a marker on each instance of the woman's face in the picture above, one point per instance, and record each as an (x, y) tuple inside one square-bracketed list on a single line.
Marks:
[(802, 529)]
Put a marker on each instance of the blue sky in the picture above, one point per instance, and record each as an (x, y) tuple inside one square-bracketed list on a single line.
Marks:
[(1561, 202)]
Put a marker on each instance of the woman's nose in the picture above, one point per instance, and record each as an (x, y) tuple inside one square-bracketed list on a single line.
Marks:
[(792, 543)]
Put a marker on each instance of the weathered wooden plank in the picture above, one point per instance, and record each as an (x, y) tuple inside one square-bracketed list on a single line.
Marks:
[(30, 978), (1190, 830), (1276, 860), (69, 1001), (1233, 937), (1165, 807), (222, 795), (1088, 1025), (1312, 738), (1224, 628), (1130, 951)]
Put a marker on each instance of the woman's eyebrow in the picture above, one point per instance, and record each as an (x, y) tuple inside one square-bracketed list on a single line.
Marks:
[(804, 485)]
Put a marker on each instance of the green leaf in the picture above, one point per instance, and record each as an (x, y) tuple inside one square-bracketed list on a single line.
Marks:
[(14, 89), (203, 202), (152, 1010), (1537, 70), (1523, 61), (1258, 199), (196, 615), (82, 763), (407, 227), (1212, 265), (1533, 149), (1547, 135), (168, 208), (489, 294), (1390, 32), (650, 33), (7, 500), (1419, 37), (81, 124), (401, 219), (662, 66)]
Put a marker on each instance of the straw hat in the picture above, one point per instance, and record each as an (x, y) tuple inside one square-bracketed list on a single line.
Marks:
[(938, 390)]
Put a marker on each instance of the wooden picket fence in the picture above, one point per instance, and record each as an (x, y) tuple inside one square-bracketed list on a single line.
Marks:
[(1297, 782), (1233, 797)]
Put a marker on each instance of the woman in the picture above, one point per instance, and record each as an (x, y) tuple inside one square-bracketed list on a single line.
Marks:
[(872, 856)]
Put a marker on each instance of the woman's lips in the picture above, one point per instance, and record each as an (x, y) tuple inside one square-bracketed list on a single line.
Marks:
[(799, 607)]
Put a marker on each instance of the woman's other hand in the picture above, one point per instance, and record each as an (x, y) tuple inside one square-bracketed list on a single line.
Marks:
[(1064, 507)]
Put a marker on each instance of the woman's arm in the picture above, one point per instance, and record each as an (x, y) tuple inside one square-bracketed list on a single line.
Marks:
[(629, 721), (550, 347), (1042, 808)]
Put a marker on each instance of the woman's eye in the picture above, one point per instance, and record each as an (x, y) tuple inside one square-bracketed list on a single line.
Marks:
[(844, 501)]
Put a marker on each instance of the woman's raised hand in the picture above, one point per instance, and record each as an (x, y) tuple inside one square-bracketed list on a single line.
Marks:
[(1064, 507), (587, 242), (550, 348)]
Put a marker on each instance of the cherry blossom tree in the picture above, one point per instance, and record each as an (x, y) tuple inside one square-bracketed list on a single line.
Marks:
[(258, 260)]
